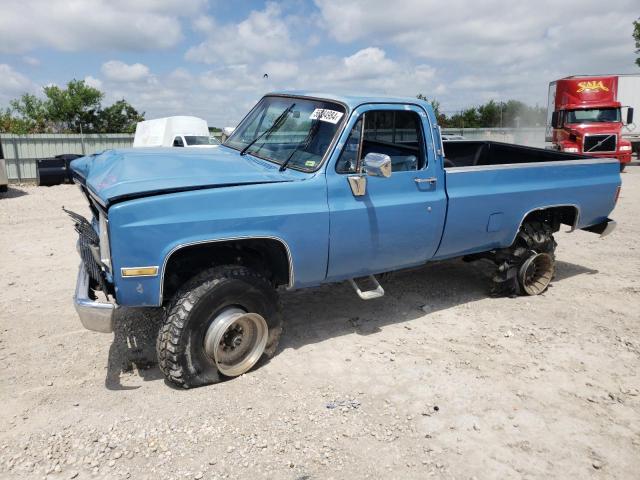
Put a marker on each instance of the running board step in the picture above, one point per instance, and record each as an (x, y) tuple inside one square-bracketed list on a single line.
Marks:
[(374, 291)]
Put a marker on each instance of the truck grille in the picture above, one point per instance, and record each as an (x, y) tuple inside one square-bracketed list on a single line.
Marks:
[(600, 143), (88, 240)]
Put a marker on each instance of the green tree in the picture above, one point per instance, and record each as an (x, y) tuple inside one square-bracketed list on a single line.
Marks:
[(32, 113), (636, 37), (12, 124), (120, 117), (75, 107), (490, 114)]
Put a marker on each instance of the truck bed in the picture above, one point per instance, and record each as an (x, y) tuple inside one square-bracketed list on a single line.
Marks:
[(494, 186), (465, 153)]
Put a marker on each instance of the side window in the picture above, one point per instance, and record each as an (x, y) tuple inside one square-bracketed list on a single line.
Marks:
[(348, 161), (397, 133), (177, 142)]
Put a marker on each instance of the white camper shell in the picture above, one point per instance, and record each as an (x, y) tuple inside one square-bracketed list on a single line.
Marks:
[(179, 131)]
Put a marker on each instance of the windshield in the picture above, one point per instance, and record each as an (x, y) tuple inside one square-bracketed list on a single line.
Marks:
[(593, 115), (198, 140), (301, 137)]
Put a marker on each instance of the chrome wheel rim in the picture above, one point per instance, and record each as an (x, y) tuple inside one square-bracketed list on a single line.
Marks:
[(235, 340), (536, 273)]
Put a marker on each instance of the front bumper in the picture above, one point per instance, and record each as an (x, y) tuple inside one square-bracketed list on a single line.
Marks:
[(94, 315), (622, 157)]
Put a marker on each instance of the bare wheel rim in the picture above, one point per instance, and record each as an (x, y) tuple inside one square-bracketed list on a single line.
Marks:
[(235, 340), (536, 273)]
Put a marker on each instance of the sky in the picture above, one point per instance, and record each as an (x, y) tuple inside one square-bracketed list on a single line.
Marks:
[(208, 58)]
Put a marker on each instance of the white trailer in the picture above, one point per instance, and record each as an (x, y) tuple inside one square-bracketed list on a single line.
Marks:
[(179, 131), (629, 96)]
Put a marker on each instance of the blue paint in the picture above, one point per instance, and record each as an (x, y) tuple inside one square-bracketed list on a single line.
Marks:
[(495, 222), (159, 199)]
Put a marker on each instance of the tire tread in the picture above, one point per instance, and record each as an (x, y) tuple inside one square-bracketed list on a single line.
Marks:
[(171, 348)]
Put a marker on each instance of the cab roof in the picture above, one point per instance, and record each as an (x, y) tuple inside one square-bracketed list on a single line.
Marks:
[(353, 101)]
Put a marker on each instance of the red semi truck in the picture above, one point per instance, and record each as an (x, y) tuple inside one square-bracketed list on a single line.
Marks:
[(594, 115)]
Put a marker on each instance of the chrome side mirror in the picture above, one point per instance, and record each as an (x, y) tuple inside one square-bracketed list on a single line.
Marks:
[(377, 165)]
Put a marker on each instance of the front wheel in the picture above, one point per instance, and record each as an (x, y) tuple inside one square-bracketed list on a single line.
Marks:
[(219, 325)]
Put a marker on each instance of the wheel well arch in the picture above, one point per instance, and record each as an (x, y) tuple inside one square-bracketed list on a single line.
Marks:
[(555, 215), (270, 256)]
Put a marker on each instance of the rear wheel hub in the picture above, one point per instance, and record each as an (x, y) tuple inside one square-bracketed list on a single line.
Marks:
[(536, 273)]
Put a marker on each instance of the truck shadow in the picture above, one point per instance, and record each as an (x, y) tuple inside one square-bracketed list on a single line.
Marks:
[(316, 314), (336, 309), (133, 348)]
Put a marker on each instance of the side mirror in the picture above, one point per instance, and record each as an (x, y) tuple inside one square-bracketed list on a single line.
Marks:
[(555, 120), (629, 115), (377, 165)]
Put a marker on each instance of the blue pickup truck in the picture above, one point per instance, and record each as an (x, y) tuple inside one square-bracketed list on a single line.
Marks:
[(312, 189)]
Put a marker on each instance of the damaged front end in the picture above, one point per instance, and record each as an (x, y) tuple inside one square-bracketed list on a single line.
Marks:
[(94, 279)]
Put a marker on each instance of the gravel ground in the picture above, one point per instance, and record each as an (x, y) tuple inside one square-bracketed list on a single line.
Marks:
[(435, 379)]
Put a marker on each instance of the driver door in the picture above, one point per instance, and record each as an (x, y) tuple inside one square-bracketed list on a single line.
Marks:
[(398, 222)]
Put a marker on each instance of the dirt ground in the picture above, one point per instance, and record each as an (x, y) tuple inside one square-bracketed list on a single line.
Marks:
[(435, 379)]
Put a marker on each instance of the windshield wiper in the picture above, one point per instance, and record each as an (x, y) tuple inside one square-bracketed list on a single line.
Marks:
[(277, 123), (305, 142)]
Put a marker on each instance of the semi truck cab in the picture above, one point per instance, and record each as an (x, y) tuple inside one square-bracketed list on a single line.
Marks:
[(585, 116)]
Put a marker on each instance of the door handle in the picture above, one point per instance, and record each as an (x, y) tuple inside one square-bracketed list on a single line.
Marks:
[(430, 180)]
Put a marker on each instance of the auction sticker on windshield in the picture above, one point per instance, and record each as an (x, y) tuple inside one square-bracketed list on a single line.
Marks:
[(325, 115)]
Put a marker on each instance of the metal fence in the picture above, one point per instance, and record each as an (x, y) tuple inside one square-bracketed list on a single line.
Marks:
[(531, 137), (21, 151)]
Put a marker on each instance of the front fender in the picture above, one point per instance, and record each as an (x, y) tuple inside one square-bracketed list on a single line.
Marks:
[(146, 231)]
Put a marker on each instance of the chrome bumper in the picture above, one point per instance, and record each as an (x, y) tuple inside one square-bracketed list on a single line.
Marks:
[(96, 316), (611, 226), (603, 229)]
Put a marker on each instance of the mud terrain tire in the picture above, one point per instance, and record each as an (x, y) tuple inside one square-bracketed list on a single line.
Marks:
[(196, 306), (533, 238)]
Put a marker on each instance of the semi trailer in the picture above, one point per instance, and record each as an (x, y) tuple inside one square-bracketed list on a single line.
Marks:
[(593, 115)]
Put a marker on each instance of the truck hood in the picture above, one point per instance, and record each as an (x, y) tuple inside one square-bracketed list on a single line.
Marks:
[(117, 175)]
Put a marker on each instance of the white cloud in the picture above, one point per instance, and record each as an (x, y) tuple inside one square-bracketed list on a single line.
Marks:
[(495, 48), (367, 63), (279, 71), (223, 95), (31, 61), (13, 84), (93, 82), (92, 24), (12, 81), (367, 71), (263, 34), (462, 52), (118, 71)]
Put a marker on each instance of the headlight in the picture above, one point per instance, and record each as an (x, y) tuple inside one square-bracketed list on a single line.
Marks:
[(570, 149), (105, 253), (625, 148)]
